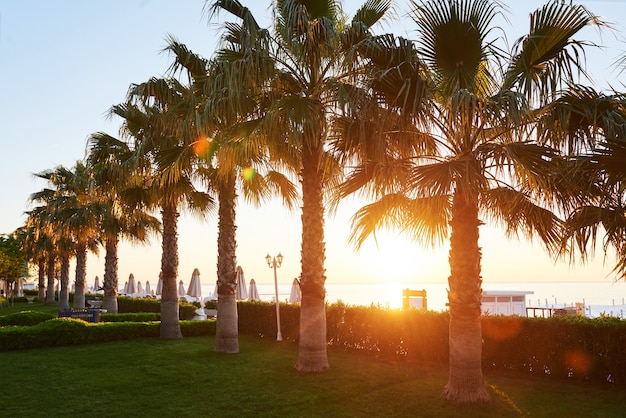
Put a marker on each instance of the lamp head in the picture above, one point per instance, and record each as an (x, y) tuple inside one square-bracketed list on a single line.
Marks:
[(279, 259), (268, 259)]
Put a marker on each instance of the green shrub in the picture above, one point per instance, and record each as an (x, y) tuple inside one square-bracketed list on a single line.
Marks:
[(25, 318), (69, 331), (130, 317), (197, 328), (126, 304)]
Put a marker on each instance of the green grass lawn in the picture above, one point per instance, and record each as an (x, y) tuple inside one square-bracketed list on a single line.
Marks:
[(185, 378)]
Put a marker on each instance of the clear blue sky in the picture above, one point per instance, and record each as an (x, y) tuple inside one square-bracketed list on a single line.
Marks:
[(63, 63)]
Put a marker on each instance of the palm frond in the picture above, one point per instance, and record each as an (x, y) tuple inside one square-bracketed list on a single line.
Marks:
[(517, 212), (549, 54), (422, 219)]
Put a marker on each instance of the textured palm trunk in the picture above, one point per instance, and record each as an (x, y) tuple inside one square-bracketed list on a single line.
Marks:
[(226, 327), (81, 274), (41, 291), (50, 287), (64, 293), (170, 325), (312, 353), (109, 301), (465, 380)]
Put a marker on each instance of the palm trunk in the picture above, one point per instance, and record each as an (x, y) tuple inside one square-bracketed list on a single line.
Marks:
[(465, 380), (170, 325), (226, 328), (50, 287), (81, 274), (312, 354), (109, 301), (64, 293), (41, 291)]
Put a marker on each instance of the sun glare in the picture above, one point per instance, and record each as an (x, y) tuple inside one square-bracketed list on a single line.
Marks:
[(399, 263)]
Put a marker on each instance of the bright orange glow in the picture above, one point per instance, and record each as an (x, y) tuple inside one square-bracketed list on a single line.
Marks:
[(501, 329), (579, 361), (201, 146), (248, 173)]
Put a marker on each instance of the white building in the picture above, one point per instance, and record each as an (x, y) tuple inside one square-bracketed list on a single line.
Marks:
[(504, 302)]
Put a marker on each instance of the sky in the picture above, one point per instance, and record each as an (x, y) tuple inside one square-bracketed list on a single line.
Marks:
[(64, 63)]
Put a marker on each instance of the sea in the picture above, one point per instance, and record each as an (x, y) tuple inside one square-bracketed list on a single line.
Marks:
[(599, 297)]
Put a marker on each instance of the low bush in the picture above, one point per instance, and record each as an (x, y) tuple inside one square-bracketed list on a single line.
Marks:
[(126, 304), (26, 318), (130, 317)]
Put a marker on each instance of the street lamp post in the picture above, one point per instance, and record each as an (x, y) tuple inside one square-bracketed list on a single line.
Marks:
[(275, 262)]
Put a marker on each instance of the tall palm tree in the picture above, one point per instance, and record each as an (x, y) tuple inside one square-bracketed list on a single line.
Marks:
[(70, 210), (153, 121), (118, 215), (34, 246), (227, 167), (477, 148), (46, 221), (312, 68)]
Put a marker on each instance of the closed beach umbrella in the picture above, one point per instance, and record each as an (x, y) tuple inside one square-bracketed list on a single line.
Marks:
[(181, 289), (96, 285), (253, 294), (132, 285), (296, 294), (148, 290), (125, 288), (242, 292), (195, 288), (139, 288), (159, 288)]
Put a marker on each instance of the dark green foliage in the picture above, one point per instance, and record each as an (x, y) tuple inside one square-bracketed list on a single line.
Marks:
[(68, 331), (27, 318), (197, 328), (131, 305), (259, 318), (130, 317), (559, 347)]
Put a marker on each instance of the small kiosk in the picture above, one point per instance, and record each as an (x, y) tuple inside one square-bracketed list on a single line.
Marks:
[(414, 299), (504, 302)]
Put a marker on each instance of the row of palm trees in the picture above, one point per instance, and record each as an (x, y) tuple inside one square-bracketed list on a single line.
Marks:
[(441, 134)]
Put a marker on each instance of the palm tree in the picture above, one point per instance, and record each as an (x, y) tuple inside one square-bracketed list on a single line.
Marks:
[(227, 166), (70, 213), (147, 115), (300, 76), (118, 215), (586, 113), (34, 246), (476, 147), (45, 220)]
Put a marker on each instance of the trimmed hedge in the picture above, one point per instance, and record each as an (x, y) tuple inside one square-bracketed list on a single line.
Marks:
[(560, 347), (127, 304), (130, 317), (25, 318), (69, 331)]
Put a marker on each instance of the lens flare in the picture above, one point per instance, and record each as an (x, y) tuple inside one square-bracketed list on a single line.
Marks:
[(579, 361), (201, 146), (248, 173), (502, 328)]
